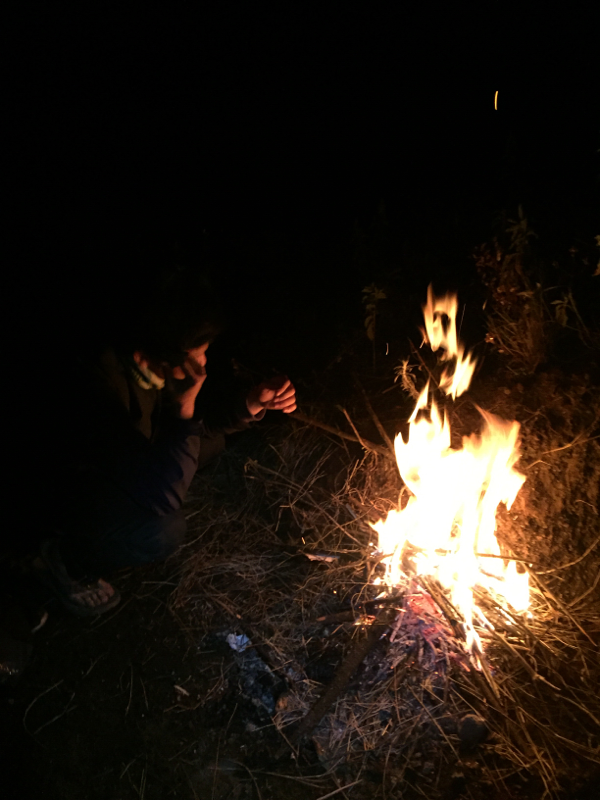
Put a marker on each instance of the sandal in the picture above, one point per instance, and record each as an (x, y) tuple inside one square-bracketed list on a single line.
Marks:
[(80, 598)]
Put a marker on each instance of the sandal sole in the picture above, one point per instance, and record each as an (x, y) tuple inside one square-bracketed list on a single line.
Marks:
[(91, 611)]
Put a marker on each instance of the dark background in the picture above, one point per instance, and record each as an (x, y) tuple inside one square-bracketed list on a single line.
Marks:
[(294, 153), (270, 145)]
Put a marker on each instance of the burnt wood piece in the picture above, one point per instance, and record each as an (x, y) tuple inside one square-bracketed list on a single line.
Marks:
[(369, 607), (349, 666)]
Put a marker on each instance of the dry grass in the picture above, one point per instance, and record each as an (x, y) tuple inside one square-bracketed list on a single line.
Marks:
[(519, 320), (402, 716)]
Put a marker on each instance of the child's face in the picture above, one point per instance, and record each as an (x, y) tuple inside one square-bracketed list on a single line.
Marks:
[(197, 354)]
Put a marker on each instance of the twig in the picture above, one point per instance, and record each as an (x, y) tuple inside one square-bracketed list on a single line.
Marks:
[(110, 617), (341, 616), (571, 563), (307, 781), (375, 418), (133, 760), (232, 713), (547, 779), (442, 552), (93, 664), (588, 591), (375, 448), (309, 499), (191, 783), (425, 367), (142, 790), (66, 710), (145, 695), (535, 675), (130, 690), (215, 769), (34, 701), (258, 794), (560, 604), (357, 434), (574, 443), (450, 613), (487, 674), (362, 609), (434, 720), (341, 789)]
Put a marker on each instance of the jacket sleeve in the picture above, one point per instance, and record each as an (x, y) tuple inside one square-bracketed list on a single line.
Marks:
[(155, 472), (222, 408)]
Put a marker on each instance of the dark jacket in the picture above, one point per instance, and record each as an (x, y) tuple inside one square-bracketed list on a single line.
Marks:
[(116, 435)]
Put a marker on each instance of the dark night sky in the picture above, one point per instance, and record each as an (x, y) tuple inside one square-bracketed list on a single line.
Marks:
[(138, 127)]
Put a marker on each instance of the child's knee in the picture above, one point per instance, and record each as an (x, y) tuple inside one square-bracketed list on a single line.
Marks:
[(157, 539), (170, 535)]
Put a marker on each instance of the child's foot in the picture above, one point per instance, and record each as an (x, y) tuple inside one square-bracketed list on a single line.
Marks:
[(78, 597), (91, 598)]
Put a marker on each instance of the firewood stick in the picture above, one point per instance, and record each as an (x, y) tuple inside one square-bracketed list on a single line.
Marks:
[(354, 659), (352, 425), (375, 448), (367, 608)]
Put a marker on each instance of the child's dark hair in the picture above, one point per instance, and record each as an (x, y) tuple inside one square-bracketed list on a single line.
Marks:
[(180, 312)]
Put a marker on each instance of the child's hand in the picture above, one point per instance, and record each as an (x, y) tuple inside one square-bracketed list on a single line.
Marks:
[(275, 394), (183, 383)]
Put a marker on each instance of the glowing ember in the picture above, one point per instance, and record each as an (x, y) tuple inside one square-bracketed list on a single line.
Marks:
[(448, 526)]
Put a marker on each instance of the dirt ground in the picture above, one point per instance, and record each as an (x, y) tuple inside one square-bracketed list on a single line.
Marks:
[(151, 701), (142, 704)]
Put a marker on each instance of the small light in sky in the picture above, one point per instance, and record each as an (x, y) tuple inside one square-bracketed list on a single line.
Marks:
[(496, 101)]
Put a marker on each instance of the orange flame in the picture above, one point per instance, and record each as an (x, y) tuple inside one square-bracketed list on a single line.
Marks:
[(436, 312), (449, 521)]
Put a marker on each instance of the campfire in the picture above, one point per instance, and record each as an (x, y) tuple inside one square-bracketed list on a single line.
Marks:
[(447, 528), (441, 654)]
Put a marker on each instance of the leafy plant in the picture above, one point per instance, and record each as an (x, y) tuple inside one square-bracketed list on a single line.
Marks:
[(404, 374), (567, 316), (518, 317), (521, 320)]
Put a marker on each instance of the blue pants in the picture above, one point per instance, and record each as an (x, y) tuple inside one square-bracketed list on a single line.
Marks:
[(103, 528)]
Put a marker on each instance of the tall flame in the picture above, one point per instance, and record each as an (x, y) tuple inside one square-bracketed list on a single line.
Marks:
[(448, 525), (439, 314)]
